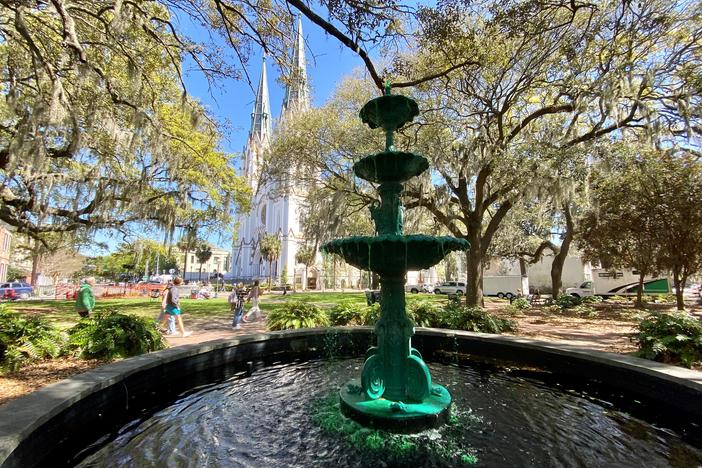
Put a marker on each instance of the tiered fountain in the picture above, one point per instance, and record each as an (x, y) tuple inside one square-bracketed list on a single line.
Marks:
[(395, 391)]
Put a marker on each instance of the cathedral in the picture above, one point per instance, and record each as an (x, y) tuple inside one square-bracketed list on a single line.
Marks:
[(273, 211)]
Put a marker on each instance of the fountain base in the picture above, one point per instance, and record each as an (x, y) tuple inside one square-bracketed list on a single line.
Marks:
[(395, 416)]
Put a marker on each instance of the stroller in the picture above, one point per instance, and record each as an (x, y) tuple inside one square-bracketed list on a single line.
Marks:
[(238, 308)]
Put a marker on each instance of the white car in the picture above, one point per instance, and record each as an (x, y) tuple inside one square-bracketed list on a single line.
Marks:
[(450, 287), (417, 288)]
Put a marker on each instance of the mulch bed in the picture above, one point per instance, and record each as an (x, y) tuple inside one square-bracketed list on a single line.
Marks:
[(36, 376)]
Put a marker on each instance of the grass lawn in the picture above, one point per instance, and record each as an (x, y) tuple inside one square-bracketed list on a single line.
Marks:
[(62, 313)]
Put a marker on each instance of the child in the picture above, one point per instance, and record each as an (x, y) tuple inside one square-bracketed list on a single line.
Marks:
[(236, 302)]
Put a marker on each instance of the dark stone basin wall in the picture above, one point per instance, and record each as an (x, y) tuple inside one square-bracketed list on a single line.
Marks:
[(50, 426)]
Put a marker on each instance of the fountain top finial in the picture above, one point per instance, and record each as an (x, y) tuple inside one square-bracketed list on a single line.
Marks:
[(388, 88)]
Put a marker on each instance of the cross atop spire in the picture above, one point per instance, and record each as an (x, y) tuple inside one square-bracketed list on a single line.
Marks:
[(261, 113), (296, 91)]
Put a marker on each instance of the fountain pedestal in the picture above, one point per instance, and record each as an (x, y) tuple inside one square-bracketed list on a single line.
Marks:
[(395, 390)]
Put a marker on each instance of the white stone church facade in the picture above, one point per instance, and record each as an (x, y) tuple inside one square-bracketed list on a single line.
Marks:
[(273, 211)]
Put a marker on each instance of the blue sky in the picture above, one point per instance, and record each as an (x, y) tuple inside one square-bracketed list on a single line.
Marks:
[(327, 63)]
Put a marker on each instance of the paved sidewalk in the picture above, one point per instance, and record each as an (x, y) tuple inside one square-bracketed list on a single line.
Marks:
[(214, 329)]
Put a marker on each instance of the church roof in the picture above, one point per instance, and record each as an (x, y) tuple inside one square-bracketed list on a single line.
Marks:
[(261, 113)]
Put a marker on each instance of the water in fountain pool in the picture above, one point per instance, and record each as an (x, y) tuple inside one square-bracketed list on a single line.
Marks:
[(516, 418)]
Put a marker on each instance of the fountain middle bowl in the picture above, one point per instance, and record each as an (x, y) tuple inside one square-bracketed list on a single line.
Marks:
[(394, 254), (390, 166)]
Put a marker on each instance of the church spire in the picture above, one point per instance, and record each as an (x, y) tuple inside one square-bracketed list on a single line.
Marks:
[(261, 114), (296, 91)]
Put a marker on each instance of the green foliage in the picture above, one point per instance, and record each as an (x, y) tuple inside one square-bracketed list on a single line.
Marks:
[(354, 313), (109, 335), (371, 314), (591, 299), (296, 314), (673, 338), (521, 303), (475, 319), (27, 338), (347, 313), (566, 301), (425, 313)]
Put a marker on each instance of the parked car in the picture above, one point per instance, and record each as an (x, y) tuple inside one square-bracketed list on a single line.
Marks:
[(15, 290), (450, 287), (417, 288)]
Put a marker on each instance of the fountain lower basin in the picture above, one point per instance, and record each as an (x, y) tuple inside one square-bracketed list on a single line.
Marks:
[(393, 254), (54, 425)]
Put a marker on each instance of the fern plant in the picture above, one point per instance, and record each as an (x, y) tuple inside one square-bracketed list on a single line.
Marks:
[(109, 335), (347, 313), (296, 314), (26, 339), (673, 338)]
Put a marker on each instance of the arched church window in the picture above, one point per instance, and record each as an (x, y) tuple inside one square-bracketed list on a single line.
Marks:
[(263, 215)]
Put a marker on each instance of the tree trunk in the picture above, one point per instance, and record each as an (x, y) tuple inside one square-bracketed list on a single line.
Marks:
[(639, 292), (199, 275), (474, 274), (560, 257), (270, 274), (36, 264), (185, 266), (677, 281), (375, 281)]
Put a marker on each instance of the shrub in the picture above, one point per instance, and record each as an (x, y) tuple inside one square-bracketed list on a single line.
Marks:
[(673, 338), (521, 303), (566, 301), (109, 335), (591, 299), (371, 314), (25, 339), (475, 319), (348, 313), (296, 314), (425, 313)]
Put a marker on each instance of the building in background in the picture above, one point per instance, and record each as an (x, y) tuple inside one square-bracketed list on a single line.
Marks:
[(5, 248), (219, 262)]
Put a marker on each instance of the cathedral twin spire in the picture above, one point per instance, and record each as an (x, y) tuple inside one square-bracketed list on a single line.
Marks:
[(296, 92)]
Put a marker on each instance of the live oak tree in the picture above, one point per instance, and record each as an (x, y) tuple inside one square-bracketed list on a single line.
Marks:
[(546, 76), (95, 129), (646, 214)]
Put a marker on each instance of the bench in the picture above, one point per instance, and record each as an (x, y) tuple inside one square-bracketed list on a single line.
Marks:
[(536, 300), (372, 296)]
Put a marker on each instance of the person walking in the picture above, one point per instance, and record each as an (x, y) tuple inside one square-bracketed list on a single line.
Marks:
[(253, 296), (163, 317), (85, 302), (173, 306)]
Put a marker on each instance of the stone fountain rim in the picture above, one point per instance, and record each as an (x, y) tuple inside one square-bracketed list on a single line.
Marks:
[(20, 418)]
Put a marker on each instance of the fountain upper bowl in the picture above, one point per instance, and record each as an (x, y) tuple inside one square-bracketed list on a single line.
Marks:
[(389, 112)]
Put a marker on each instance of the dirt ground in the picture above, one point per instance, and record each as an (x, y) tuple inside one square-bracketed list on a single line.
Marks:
[(609, 329)]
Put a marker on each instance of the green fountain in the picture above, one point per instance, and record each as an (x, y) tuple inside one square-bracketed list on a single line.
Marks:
[(395, 391)]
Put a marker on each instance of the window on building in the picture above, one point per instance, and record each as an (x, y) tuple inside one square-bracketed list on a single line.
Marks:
[(263, 215)]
